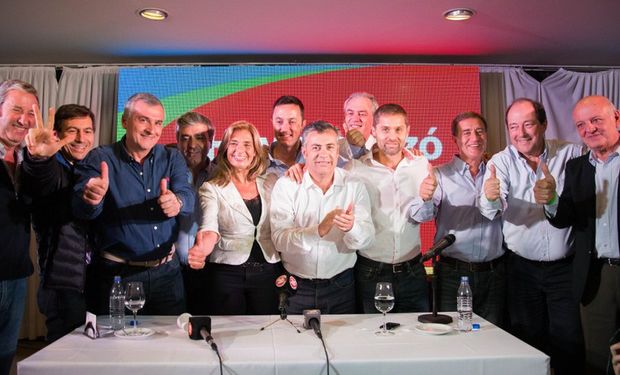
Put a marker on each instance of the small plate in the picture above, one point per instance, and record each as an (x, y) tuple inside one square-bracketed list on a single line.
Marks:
[(433, 328), (129, 334)]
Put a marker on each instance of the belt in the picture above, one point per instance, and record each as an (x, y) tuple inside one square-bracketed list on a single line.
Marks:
[(471, 266), (315, 282), (568, 259), (395, 267), (610, 261), (138, 263)]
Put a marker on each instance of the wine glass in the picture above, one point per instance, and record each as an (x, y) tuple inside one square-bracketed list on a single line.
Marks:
[(384, 302), (134, 301)]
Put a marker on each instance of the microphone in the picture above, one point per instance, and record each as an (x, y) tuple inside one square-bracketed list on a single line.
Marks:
[(287, 286), (312, 319), (438, 247), (200, 328), (183, 321)]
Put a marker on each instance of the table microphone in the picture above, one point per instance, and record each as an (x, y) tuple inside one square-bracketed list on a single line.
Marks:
[(200, 328), (312, 319), (287, 286), (438, 247)]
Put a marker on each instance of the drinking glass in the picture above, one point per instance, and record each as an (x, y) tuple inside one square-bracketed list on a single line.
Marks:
[(134, 301), (384, 302)]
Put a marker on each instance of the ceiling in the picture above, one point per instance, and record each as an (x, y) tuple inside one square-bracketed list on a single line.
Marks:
[(524, 32)]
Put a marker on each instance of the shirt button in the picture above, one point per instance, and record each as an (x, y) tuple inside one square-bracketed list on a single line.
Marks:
[(140, 173), (155, 227), (152, 208), (148, 190), (157, 245)]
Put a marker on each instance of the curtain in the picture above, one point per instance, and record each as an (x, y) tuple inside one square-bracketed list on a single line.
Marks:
[(493, 106), (96, 88), (44, 80), (559, 93)]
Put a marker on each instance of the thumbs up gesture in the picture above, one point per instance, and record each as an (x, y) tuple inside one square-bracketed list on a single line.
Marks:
[(544, 189), (491, 185), (97, 187), (203, 246), (428, 185), (344, 220), (168, 201)]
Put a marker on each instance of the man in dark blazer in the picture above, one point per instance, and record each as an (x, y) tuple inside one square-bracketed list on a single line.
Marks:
[(590, 204)]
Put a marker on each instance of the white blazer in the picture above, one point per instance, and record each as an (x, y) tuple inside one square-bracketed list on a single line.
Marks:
[(225, 213)]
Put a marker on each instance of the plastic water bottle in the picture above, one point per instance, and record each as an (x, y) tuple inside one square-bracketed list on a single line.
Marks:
[(464, 305), (117, 305)]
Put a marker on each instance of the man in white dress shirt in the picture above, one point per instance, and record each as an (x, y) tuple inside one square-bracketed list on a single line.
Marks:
[(319, 224), (395, 179), (541, 306)]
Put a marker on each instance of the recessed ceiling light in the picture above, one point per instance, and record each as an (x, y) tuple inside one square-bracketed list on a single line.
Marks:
[(153, 14), (458, 14)]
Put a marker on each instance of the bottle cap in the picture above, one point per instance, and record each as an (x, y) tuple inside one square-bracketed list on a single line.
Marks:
[(464, 278), (475, 327), (117, 279)]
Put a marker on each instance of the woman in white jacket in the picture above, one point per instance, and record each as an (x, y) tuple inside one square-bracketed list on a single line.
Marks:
[(235, 229)]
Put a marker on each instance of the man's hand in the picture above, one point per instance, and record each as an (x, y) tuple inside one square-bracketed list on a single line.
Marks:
[(97, 187), (544, 189), (341, 219), (356, 138), (428, 185), (345, 219), (168, 201), (296, 172), (42, 141), (198, 253), (491, 186), (615, 357)]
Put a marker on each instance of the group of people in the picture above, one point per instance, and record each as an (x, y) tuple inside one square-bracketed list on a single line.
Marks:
[(536, 226)]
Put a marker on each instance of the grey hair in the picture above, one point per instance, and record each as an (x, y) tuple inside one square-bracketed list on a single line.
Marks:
[(319, 126), (362, 94), (149, 99), (16, 84)]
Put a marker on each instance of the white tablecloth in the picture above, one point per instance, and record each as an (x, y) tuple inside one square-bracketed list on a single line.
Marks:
[(352, 346)]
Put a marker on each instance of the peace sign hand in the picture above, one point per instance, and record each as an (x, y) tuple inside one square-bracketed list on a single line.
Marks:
[(42, 141)]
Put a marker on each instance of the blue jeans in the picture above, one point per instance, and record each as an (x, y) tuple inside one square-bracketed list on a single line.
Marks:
[(408, 281), (163, 286), (331, 296), (12, 302)]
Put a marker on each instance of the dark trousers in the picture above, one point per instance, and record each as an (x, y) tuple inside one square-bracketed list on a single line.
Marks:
[(244, 289), (600, 314), (331, 296), (163, 286), (197, 289), (64, 310), (488, 288), (408, 282), (543, 311)]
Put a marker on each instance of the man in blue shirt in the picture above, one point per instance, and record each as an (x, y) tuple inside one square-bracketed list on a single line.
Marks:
[(133, 190)]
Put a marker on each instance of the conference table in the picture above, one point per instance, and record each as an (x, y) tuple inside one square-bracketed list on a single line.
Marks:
[(352, 346)]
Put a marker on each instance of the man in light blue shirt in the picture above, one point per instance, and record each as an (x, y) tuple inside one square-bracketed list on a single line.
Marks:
[(542, 309), (477, 252)]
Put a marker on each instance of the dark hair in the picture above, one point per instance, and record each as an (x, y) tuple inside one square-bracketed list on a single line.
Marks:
[(191, 118), (16, 84), (319, 126), (289, 99), (539, 110), (149, 99), (389, 110), (464, 116), (69, 112)]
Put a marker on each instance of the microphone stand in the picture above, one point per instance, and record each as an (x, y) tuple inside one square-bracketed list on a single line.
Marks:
[(434, 317), (283, 316)]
